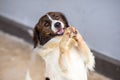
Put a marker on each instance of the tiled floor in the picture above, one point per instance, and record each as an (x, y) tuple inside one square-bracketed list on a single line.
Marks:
[(17, 60)]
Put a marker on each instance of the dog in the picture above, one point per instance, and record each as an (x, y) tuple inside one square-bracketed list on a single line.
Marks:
[(66, 55)]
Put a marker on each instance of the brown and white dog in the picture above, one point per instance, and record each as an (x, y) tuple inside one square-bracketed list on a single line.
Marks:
[(66, 55)]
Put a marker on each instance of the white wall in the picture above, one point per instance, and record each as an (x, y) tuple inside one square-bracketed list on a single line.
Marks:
[(97, 20)]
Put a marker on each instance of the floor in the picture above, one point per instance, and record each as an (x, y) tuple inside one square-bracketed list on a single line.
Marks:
[(18, 63)]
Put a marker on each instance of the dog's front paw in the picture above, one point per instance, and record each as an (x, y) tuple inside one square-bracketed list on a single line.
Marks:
[(69, 38), (71, 32)]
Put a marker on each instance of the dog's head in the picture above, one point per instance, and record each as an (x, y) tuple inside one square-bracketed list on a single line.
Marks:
[(50, 25)]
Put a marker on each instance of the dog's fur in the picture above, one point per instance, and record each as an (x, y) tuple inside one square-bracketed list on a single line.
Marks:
[(66, 55)]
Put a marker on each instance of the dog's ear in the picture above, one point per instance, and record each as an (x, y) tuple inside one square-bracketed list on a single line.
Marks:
[(39, 37), (35, 37), (65, 20)]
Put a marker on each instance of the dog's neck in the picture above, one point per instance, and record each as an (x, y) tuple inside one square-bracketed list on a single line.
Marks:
[(44, 39), (52, 42), (49, 46)]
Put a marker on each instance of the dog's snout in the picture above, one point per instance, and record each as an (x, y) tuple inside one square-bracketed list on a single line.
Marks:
[(57, 24)]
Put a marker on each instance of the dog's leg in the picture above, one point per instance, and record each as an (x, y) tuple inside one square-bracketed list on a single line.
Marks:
[(84, 50), (64, 56), (66, 44)]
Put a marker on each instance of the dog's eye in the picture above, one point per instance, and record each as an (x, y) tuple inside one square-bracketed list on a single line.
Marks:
[(46, 24), (57, 17)]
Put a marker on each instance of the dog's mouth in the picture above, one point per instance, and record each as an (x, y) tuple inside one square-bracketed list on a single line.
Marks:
[(60, 31)]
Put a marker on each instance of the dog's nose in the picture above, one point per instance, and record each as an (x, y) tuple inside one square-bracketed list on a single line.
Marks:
[(57, 24)]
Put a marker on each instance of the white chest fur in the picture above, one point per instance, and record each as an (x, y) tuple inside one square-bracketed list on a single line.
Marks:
[(74, 68)]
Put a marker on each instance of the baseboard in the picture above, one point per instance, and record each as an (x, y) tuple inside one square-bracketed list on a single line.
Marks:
[(15, 28)]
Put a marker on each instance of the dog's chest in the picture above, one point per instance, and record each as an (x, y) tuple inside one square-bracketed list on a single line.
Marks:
[(50, 54), (74, 65), (52, 67)]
